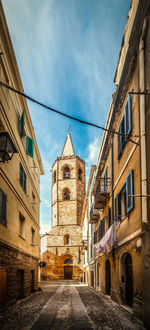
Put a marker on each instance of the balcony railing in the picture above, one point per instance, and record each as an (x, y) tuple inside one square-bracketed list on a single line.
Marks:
[(94, 214), (102, 194)]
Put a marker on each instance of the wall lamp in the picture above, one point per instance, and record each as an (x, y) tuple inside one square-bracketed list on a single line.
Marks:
[(7, 148)]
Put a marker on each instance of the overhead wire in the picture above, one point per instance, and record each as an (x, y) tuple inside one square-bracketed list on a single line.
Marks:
[(66, 115)]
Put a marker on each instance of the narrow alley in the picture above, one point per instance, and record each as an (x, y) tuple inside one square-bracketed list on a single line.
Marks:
[(67, 305)]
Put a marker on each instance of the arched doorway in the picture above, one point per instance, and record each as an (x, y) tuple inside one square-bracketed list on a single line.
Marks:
[(126, 279), (68, 269), (129, 280), (107, 277), (98, 276)]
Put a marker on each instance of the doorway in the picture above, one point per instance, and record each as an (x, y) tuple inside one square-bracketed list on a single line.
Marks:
[(92, 279), (32, 281), (129, 280), (67, 272), (20, 283), (107, 277), (126, 279), (98, 276)]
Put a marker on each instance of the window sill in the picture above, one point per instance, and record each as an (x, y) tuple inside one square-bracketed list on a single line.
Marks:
[(22, 237), (3, 223)]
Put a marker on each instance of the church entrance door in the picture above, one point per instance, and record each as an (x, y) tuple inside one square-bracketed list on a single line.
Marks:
[(67, 272)]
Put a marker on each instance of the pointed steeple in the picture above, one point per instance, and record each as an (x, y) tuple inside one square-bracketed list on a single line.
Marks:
[(68, 149)]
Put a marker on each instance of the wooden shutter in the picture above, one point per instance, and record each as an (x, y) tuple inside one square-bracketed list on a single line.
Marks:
[(119, 143), (3, 207), (29, 146), (129, 191)]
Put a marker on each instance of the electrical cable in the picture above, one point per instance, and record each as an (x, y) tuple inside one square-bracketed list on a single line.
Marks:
[(65, 115)]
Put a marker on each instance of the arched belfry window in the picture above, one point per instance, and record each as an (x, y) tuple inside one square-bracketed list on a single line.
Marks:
[(66, 172), (66, 194), (79, 174), (54, 177), (66, 239)]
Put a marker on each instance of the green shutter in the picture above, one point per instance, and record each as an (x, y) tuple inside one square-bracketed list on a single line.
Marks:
[(29, 146), (23, 123)]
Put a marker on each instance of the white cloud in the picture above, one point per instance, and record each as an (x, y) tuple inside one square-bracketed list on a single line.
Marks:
[(45, 228), (94, 151)]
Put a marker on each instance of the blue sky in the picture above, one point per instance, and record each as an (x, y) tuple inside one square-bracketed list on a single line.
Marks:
[(67, 52)]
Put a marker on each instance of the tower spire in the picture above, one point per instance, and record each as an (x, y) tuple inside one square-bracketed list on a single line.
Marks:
[(68, 149)]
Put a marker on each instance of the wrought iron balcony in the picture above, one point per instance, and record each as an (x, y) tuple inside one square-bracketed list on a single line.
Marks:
[(102, 194), (94, 214)]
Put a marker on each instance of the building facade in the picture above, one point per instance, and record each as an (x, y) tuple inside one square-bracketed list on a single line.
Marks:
[(20, 170), (61, 247), (121, 188)]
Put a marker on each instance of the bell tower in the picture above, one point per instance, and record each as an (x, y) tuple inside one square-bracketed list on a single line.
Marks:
[(68, 187)]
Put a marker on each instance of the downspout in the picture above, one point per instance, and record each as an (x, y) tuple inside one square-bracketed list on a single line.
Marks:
[(112, 200), (145, 233), (142, 127)]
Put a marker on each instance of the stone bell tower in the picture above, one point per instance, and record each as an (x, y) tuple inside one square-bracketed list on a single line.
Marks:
[(64, 241), (68, 187)]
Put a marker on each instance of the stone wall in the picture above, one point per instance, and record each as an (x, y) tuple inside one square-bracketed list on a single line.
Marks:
[(19, 269)]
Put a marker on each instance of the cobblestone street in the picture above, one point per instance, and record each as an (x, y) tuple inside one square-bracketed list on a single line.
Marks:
[(67, 305)]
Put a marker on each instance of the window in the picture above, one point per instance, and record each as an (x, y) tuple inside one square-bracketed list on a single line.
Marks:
[(95, 237), (124, 201), (3, 208), (21, 225), (125, 127), (101, 229), (23, 123), (66, 194), (32, 236), (106, 180), (23, 178), (79, 174), (29, 147), (66, 240), (66, 172), (33, 201), (130, 192), (54, 177)]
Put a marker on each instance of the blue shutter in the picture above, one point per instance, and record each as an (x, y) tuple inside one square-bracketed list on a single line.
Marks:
[(130, 191), (128, 116)]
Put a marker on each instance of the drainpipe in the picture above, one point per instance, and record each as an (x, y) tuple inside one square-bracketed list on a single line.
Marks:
[(112, 199), (145, 232), (142, 127)]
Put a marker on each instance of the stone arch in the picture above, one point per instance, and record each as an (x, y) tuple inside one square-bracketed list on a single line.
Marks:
[(66, 172), (126, 279), (63, 257), (66, 194)]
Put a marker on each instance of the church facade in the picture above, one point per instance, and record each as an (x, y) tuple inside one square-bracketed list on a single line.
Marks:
[(61, 248)]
